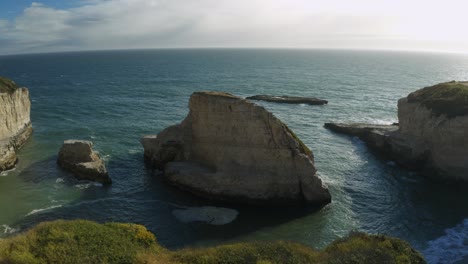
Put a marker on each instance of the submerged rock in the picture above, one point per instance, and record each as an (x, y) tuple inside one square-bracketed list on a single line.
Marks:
[(431, 135), (233, 150), (207, 214), (78, 157), (288, 99), (15, 122)]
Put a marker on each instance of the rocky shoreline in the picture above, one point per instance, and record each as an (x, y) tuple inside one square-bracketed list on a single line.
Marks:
[(431, 133)]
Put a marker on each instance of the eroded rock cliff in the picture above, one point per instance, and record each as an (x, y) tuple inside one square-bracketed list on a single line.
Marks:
[(15, 122), (432, 134), (230, 149)]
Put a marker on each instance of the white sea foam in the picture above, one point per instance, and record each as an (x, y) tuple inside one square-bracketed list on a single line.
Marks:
[(9, 230), (59, 180), (208, 214), (35, 211), (449, 248), (5, 173)]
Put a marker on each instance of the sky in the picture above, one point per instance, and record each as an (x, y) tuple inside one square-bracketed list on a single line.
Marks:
[(74, 25)]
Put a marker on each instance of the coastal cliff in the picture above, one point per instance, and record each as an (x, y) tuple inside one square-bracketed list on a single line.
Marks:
[(15, 121), (432, 134), (230, 149)]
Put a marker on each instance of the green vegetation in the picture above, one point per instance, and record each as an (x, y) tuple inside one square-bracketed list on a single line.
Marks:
[(7, 85), (302, 147), (450, 99), (78, 241), (81, 241)]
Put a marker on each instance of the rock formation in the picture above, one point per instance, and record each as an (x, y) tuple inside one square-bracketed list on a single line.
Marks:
[(15, 122), (78, 157), (288, 99), (432, 134), (230, 149)]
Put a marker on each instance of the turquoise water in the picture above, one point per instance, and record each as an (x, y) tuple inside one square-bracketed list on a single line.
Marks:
[(115, 97)]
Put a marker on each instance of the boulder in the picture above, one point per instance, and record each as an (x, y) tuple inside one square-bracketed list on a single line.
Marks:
[(15, 122), (78, 157), (288, 99), (432, 132), (230, 149)]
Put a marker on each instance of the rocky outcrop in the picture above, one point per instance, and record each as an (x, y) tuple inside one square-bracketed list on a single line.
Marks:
[(15, 122), (432, 134), (288, 99), (232, 150), (78, 157)]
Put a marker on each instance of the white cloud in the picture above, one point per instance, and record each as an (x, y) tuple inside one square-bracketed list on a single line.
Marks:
[(113, 24)]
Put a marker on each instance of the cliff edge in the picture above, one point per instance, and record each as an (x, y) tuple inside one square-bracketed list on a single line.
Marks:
[(15, 121), (432, 134), (230, 149)]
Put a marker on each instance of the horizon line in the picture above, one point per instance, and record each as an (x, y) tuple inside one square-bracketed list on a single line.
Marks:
[(424, 51)]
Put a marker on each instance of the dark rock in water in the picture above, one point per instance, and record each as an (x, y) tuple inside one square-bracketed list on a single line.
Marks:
[(288, 99), (78, 157), (233, 150), (431, 134)]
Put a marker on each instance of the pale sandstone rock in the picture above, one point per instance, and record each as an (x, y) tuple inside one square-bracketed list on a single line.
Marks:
[(15, 124), (231, 149), (78, 157), (432, 134)]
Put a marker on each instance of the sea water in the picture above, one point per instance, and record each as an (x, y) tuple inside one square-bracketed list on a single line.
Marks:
[(115, 97)]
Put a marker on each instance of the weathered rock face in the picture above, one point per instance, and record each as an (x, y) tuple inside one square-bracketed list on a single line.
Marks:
[(15, 122), (432, 133), (78, 157), (230, 149), (288, 99), (437, 130)]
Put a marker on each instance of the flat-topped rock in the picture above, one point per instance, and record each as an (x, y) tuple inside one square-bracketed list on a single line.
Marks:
[(432, 133), (78, 157), (15, 122), (230, 149), (288, 99)]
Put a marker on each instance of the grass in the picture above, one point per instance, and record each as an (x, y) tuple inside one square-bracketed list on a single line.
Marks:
[(81, 241), (302, 147), (449, 99), (7, 85)]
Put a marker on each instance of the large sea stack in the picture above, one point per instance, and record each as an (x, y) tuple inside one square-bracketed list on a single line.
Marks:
[(15, 122), (230, 149), (432, 134)]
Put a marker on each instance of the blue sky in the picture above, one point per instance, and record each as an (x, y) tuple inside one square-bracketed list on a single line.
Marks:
[(72, 25), (9, 9)]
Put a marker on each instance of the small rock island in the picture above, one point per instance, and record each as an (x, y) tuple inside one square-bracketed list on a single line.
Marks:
[(230, 149), (78, 157), (288, 99), (432, 134), (16, 128)]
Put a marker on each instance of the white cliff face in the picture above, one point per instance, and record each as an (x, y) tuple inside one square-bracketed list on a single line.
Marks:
[(14, 112), (15, 124), (230, 149), (440, 140)]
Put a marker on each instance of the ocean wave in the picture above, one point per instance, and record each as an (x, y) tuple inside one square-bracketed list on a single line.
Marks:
[(449, 248), (35, 211), (9, 230), (5, 173)]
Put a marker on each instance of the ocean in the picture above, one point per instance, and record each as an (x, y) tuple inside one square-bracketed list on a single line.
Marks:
[(115, 97)]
